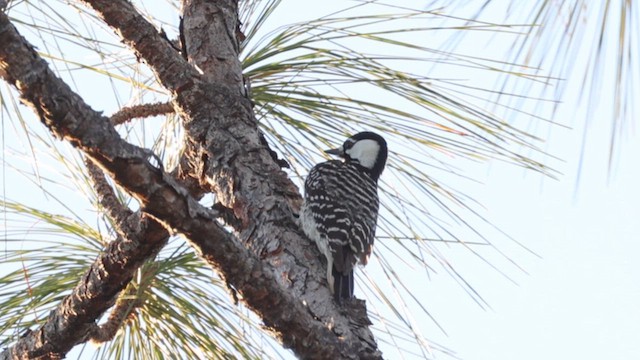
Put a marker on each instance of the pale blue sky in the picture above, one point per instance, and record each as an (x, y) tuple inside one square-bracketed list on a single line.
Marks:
[(579, 299)]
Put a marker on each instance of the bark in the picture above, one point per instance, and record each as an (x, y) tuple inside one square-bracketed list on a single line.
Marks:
[(140, 111), (269, 262), (128, 225)]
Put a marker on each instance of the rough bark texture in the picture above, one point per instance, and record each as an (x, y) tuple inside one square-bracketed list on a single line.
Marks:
[(201, 19), (73, 320), (272, 265), (140, 111)]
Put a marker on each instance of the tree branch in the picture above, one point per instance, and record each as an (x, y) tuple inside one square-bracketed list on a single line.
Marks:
[(286, 294), (140, 111), (73, 321), (125, 221), (126, 305), (134, 227), (235, 164)]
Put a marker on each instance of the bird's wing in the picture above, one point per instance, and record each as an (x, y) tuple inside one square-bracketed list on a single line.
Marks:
[(332, 214), (347, 224)]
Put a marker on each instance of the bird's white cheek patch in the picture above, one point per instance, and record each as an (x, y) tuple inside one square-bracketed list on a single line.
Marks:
[(365, 152)]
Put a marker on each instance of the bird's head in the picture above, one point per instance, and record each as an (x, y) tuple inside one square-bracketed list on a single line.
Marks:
[(367, 149)]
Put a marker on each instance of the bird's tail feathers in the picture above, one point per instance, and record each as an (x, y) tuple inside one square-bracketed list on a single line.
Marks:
[(343, 285)]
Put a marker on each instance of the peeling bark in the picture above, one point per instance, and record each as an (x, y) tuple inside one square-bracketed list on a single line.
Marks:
[(272, 265)]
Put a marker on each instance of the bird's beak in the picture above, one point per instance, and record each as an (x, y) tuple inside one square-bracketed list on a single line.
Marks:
[(337, 151)]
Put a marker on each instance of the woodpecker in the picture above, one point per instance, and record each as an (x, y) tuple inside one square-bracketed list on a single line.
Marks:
[(340, 207)]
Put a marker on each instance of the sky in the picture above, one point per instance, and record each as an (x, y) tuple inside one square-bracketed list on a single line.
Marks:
[(579, 300), (575, 295)]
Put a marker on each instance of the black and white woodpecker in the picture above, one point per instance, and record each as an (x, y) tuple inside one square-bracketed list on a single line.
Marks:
[(340, 207)]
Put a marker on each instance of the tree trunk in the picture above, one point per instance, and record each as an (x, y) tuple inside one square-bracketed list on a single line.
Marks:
[(267, 260)]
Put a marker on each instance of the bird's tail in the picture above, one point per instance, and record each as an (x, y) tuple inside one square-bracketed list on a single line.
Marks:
[(343, 285)]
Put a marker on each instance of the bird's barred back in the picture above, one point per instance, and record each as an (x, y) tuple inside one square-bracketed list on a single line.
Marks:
[(344, 202)]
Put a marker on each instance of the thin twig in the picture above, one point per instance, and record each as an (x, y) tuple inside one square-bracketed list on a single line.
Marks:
[(129, 113), (115, 210)]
